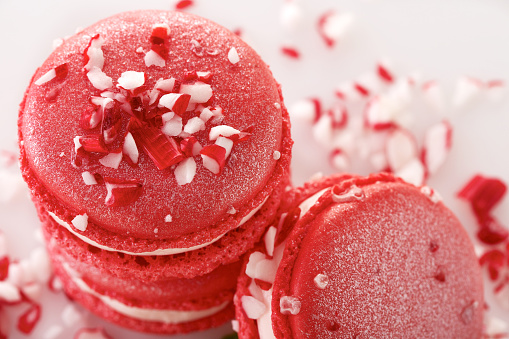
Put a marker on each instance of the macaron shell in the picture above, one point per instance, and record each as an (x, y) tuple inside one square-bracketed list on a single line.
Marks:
[(246, 91), (397, 263)]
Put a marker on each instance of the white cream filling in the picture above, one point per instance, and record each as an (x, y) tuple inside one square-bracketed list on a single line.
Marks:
[(160, 251), (164, 316), (264, 322)]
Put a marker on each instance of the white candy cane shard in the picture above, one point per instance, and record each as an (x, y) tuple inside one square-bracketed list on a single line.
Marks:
[(379, 113), (111, 160), (222, 130), (168, 218), (130, 149), (289, 305), (173, 127), (467, 89), (80, 222), (437, 144), (339, 160), (233, 56), (185, 171), (200, 92), (95, 54), (165, 85), (291, 15), (252, 306), (332, 26), (413, 172), (400, 148), (131, 80), (154, 59), (99, 79), (46, 77), (270, 240), (434, 96), (307, 110), (322, 130), (194, 125)]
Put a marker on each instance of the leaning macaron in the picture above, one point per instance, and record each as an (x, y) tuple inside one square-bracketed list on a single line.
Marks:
[(155, 145), (362, 257)]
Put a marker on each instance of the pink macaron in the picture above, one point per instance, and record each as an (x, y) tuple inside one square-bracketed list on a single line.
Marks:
[(362, 257), (156, 147)]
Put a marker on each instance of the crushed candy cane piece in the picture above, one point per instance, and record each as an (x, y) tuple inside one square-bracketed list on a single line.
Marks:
[(276, 155), (80, 222), (59, 72), (332, 26), (122, 192), (163, 151), (400, 148), (200, 92), (165, 85), (88, 178), (222, 130), (433, 95), (291, 52), (233, 56), (168, 218), (483, 193), (321, 281), (226, 143), (154, 59), (252, 306), (130, 149), (467, 89), (112, 160), (190, 146), (183, 4), (71, 315), (291, 15), (185, 171), (437, 144), (339, 160), (99, 79), (29, 319), (270, 240), (289, 305), (384, 72), (214, 158), (9, 292), (93, 54), (412, 172), (194, 125), (39, 265), (130, 80), (308, 110), (176, 102)]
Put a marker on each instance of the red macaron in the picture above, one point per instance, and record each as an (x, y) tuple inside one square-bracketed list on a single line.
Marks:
[(362, 257), (156, 147)]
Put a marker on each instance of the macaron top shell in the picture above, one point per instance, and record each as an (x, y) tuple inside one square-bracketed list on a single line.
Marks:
[(246, 92), (385, 262)]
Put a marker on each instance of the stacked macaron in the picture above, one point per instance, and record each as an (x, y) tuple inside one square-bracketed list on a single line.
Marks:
[(156, 147), (362, 257)]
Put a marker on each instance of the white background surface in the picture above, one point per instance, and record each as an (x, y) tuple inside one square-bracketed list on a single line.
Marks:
[(442, 39)]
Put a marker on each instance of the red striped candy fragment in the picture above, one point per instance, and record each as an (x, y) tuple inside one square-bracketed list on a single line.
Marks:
[(93, 143), (4, 267), (291, 52), (190, 146), (384, 73), (60, 73), (176, 102), (183, 4), (494, 260), (332, 26), (163, 150), (111, 124), (122, 192), (90, 117), (491, 231), (483, 193), (214, 158), (28, 320), (159, 40)]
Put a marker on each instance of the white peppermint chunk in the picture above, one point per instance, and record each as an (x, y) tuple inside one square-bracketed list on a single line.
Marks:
[(200, 92), (88, 178), (130, 80), (80, 222), (130, 149), (222, 130), (233, 55), (165, 85), (46, 77), (111, 160), (99, 79), (154, 59), (185, 171)]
